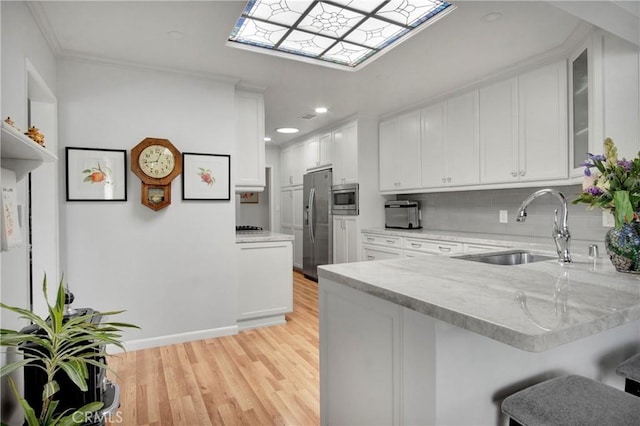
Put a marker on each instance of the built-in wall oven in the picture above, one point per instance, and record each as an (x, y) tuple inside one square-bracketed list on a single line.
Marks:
[(344, 199)]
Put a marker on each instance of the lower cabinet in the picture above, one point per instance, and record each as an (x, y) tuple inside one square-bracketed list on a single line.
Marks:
[(265, 283), (345, 239)]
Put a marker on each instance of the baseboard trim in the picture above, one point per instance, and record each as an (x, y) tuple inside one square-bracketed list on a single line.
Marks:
[(172, 339)]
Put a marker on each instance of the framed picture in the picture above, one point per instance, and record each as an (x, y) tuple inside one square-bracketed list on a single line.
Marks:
[(248, 198), (206, 176), (96, 174)]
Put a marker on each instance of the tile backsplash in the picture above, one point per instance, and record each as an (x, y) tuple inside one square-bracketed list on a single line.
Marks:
[(478, 211)]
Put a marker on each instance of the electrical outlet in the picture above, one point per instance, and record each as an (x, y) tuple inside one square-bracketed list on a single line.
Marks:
[(504, 216), (608, 219)]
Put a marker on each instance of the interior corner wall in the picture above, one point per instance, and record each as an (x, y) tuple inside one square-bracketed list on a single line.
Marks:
[(174, 270)]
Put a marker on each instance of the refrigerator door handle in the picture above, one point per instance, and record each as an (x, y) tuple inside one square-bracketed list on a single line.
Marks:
[(312, 201)]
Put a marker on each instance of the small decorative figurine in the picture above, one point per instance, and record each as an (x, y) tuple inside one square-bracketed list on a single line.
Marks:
[(35, 135), (9, 121)]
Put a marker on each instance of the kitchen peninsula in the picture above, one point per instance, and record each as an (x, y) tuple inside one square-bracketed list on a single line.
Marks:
[(442, 340), (265, 278)]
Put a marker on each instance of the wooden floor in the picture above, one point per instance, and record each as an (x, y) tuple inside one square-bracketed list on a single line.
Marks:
[(266, 376)]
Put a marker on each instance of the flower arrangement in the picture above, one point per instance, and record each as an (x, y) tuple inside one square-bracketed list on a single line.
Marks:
[(612, 184)]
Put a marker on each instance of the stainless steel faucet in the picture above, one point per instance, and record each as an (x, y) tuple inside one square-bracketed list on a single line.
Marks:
[(561, 234)]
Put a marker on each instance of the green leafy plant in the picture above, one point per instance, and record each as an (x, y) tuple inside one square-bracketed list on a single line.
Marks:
[(66, 345), (613, 184)]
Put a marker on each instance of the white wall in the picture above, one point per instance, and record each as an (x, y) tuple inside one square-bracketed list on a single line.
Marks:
[(21, 40), (174, 270)]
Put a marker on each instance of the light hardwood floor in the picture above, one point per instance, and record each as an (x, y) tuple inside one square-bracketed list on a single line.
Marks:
[(265, 376)]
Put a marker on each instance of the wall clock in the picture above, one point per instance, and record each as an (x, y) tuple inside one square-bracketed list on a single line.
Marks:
[(156, 162)]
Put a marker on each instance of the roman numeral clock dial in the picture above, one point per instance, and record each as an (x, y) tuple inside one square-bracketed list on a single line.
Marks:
[(156, 162)]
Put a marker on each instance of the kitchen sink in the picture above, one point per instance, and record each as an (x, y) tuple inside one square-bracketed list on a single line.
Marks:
[(513, 257)]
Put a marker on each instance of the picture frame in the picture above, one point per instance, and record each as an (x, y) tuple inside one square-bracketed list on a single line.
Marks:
[(249, 198), (96, 174), (206, 176)]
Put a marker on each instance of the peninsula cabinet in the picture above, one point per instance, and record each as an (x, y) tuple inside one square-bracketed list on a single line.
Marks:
[(450, 142), (345, 152), (250, 164), (400, 152)]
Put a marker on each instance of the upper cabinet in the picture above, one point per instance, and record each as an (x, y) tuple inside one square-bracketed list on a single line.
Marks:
[(292, 164), (250, 157), (319, 151), (542, 123), (523, 130), (21, 154), (400, 152), (345, 151)]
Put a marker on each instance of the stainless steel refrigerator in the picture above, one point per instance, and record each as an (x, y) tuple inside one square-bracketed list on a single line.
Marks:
[(317, 246)]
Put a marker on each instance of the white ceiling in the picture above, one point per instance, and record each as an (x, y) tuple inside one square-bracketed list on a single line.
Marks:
[(452, 52)]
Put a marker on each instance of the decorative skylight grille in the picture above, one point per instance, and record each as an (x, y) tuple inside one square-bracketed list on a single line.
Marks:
[(342, 33)]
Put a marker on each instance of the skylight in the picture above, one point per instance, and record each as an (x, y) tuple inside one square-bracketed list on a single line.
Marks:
[(338, 33)]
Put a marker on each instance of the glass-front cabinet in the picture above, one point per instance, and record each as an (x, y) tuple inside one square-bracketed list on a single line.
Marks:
[(580, 106)]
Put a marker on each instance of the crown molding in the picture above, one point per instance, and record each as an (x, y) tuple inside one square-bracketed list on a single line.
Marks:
[(40, 16)]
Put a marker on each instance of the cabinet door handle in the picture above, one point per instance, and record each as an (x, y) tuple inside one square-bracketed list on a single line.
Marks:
[(416, 245), (514, 173), (369, 239), (522, 172), (444, 180), (444, 249), (369, 257), (391, 242), (449, 180)]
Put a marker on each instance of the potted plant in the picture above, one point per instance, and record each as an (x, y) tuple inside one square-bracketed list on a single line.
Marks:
[(614, 184), (64, 345)]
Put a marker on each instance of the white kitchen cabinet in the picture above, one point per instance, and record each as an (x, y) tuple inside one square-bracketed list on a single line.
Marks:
[(265, 283), (580, 106), (292, 165), (250, 158), (382, 240), (400, 152), (498, 122), (542, 123), (371, 252), (291, 216), (345, 239), (319, 151), (450, 152), (432, 246), (345, 154)]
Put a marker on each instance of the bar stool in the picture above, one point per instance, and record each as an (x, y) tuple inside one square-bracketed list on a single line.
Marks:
[(630, 370), (572, 400)]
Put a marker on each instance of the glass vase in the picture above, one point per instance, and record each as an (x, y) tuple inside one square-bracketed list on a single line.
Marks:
[(623, 247)]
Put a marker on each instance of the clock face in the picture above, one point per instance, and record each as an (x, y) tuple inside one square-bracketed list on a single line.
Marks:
[(156, 161)]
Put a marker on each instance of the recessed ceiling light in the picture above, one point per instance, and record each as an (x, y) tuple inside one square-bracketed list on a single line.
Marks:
[(492, 17), (321, 110), (176, 35), (339, 33), (267, 139), (287, 130)]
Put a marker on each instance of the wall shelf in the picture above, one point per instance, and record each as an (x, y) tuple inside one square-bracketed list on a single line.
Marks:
[(21, 154)]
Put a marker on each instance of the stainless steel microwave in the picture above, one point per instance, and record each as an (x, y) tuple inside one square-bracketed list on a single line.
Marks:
[(344, 199)]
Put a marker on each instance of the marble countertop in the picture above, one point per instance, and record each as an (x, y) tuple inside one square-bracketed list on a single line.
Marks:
[(261, 237), (533, 307)]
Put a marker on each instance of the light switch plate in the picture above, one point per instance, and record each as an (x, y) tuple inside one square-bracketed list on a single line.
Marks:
[(504, 216), (608, 219)]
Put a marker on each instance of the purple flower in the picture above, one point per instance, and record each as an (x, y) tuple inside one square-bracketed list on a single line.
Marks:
[(594, 190), (597, 157), (626, 165), (587, 171)]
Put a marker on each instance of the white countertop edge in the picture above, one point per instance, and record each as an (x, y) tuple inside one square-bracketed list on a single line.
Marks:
[(261, 237)]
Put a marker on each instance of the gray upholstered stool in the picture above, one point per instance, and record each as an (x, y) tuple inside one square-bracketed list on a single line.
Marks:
[(630, 370), (572, 400)]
